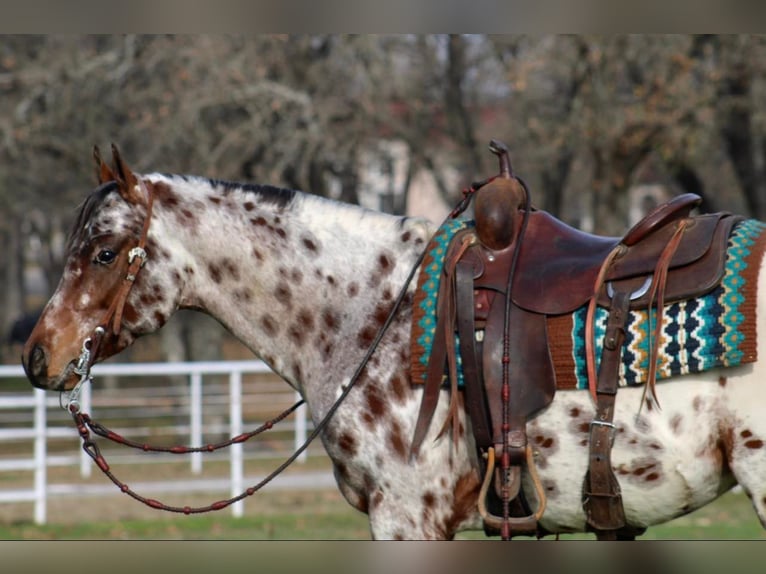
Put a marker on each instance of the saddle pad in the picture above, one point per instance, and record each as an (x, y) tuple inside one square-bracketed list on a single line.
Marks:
[(712, 331), (424, 303), (716, 330)]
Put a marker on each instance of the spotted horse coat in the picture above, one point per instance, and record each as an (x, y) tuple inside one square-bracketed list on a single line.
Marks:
[(306, 283)]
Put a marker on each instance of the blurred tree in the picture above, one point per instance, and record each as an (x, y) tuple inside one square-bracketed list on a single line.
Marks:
[(583, 115)]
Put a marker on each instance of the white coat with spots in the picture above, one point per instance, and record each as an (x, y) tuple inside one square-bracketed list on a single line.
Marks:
[(306, 283)]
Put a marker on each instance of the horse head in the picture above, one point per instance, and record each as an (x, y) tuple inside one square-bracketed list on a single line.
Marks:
[(102, 302)]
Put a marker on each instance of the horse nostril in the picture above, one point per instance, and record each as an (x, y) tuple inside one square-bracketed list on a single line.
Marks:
[(37, 364)]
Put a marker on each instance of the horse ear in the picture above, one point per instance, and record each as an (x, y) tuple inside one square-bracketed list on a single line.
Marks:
[(103, 172), (126, 180)]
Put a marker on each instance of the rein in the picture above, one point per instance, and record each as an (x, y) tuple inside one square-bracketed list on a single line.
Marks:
[(113, 317)]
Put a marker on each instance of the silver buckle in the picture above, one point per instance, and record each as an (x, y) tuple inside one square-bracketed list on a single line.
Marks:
[(612, 428), (640, 292)]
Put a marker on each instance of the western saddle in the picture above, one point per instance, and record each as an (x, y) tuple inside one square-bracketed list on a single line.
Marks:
[(501, 280)]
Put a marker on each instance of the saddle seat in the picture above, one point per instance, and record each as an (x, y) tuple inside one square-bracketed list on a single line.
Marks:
[(558, 264)]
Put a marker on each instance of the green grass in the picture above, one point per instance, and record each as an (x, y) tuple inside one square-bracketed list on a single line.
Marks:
[(323, 515)]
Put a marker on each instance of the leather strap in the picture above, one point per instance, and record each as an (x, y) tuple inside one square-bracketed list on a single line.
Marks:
[(112, 318), (442, 350), (658, 291), (434, 377), (603, 501), (475, 396)]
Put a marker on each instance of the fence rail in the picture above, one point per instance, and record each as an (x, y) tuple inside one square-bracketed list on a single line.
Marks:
[(133, 403)]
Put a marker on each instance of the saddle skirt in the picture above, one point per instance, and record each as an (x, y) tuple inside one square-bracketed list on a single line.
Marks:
[(715, 329)]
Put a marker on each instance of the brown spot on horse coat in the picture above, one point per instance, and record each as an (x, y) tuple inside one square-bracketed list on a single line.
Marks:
[(385, 263), (642, 470), (377, 498), (551, 490), (366, 336), (231, 268), (675, 423), (243, 295), (310, 245), (215, 272), (374, 400), (306, 319), (347, 443), (543, 441), (396, 441), (297, 334), (164, 194), (399, 388), (283, 294), (755, 443), (381, 313), (331, 319), (463, 501), (269, 325)]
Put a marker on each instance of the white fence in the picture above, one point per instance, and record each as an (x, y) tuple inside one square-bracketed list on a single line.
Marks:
[(42, 430)]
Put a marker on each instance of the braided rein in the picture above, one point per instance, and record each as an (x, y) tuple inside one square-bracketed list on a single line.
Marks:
[(85, 425)]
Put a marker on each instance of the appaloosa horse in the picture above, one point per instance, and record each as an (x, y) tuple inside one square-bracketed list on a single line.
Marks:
[(306, 284)]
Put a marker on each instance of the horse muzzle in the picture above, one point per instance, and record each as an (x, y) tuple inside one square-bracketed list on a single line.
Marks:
[(35, 361)]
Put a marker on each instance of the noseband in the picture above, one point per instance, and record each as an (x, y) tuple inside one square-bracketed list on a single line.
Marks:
[(112, 319)]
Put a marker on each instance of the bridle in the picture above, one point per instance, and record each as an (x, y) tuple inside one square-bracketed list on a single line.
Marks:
[(112, 318), (112, 321)]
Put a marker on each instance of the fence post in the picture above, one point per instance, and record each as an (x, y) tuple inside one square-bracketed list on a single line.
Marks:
[(195, 422), (300, 428), (235, 422), (86, 403), (41, 468)]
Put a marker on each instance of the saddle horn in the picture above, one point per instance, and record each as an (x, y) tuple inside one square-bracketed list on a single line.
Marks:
[(498, 204)]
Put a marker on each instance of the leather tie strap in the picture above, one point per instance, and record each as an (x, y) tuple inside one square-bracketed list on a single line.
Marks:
[(658, 291), (442, 351), (590, 320)]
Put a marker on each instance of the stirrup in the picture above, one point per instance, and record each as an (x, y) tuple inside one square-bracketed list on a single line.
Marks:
[(521, 523)]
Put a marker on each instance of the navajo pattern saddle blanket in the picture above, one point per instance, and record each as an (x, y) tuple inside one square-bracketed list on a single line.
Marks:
[(714, 330)]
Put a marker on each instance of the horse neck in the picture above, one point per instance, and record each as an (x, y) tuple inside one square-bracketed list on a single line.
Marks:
[(302, 281)]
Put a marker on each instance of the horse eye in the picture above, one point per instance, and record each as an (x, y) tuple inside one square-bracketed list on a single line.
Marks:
[(105, 256)]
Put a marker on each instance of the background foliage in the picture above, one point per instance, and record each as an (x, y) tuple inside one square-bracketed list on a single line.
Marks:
[(586, 118)]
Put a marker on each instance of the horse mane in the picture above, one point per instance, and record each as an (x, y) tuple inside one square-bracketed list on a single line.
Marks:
[(278, 196), (86, 209)]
